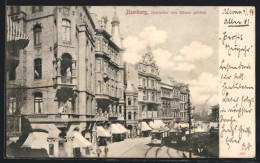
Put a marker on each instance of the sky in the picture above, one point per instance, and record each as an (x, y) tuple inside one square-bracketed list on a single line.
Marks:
[(185, 46)]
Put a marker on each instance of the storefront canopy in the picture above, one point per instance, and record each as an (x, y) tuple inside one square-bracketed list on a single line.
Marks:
[(101, 132), (36, 140), (50, 128), (152, 125), (184, 125), (159, 123), (145, 127), (80, 141), (118, 129), (122, 128), (175, 128)]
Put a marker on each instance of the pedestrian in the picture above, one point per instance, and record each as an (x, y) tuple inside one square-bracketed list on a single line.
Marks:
[(106, 150), (98, 151)]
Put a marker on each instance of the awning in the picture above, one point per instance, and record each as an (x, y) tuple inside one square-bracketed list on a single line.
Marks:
[(159, 123), (80, 141), (145, 127), (36, 140), (184, 125), (152, 125), (101, 132), (118, 129), (175, 128), (122, 127), (51, 128)]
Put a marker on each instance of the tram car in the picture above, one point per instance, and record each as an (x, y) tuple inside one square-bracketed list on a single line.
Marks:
[(159, 137)]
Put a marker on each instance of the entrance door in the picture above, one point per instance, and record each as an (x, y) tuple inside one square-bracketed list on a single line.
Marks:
[(77, 153)]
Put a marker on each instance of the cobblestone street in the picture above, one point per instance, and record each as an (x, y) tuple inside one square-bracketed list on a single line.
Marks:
[(140, 148)]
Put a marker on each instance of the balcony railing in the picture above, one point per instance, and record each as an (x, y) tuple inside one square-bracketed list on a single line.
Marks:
[(66, 79)]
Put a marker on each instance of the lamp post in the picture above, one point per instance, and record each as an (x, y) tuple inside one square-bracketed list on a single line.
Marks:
[(189, 114)]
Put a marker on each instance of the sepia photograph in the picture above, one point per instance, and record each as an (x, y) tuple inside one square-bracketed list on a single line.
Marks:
[(129, 82)]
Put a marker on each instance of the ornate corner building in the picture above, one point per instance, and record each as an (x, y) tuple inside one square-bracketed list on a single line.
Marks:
[(71, 83)]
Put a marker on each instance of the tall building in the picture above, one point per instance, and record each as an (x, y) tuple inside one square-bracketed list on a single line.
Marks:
[(16, 41), (109, 76), (58, 73)]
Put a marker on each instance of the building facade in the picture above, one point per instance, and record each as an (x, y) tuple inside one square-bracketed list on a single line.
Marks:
[(60, 71), (74, 88)]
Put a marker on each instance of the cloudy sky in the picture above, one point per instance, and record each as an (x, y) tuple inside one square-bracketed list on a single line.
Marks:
[(184, 46)]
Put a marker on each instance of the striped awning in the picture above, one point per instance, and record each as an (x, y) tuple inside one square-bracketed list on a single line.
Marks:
[(15, 37)]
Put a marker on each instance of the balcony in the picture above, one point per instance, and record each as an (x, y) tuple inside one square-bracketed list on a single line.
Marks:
[(66, 79)]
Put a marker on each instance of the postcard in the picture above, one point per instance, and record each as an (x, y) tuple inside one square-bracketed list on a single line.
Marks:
[(130, 82)]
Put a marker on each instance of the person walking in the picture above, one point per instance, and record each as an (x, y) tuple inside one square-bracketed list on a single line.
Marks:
[(106, 150), (98, 151)]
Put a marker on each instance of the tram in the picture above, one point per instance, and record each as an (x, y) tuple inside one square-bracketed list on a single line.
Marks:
[(158, 137)]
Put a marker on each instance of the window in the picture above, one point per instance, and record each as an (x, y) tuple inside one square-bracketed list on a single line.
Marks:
[(37, 69), (12, 72), (105, 67), (135, 116), (148, 83), (134, 101), (104, 46), (12, 105), (37, 34), (119, 77), (98, 65), (129, 116), (144, 95), (38, 102), (36, 9), (152, 83), (98, 44), (61, 145), (129, 101), (98, 87), (66, 30), (143, 82), (152, 71), (153, 96), (51, 149), (15, 9), (120, 93)]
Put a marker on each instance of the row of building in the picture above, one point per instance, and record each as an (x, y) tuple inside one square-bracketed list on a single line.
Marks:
[(72, 87)]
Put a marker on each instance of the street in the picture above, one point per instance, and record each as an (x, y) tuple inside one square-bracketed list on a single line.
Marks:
[(141, 148)]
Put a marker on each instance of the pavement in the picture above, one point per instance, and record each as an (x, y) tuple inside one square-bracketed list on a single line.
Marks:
[(139, 148)]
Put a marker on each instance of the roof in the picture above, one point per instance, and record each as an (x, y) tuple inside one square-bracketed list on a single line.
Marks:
[(165, 80)]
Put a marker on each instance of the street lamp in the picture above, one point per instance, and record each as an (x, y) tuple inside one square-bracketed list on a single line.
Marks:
[(189, 114)]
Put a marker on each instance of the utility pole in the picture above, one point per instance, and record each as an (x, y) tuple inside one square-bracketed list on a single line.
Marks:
[(189, 114)]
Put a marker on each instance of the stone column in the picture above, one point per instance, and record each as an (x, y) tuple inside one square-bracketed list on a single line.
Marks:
[(110, 109), (73, 73), (58, 70), (123, 110), (117, 110), (114, 109), (73, 68)]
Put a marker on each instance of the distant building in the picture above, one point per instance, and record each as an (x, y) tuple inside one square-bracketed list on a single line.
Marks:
[(215, 113), (153, 98)]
